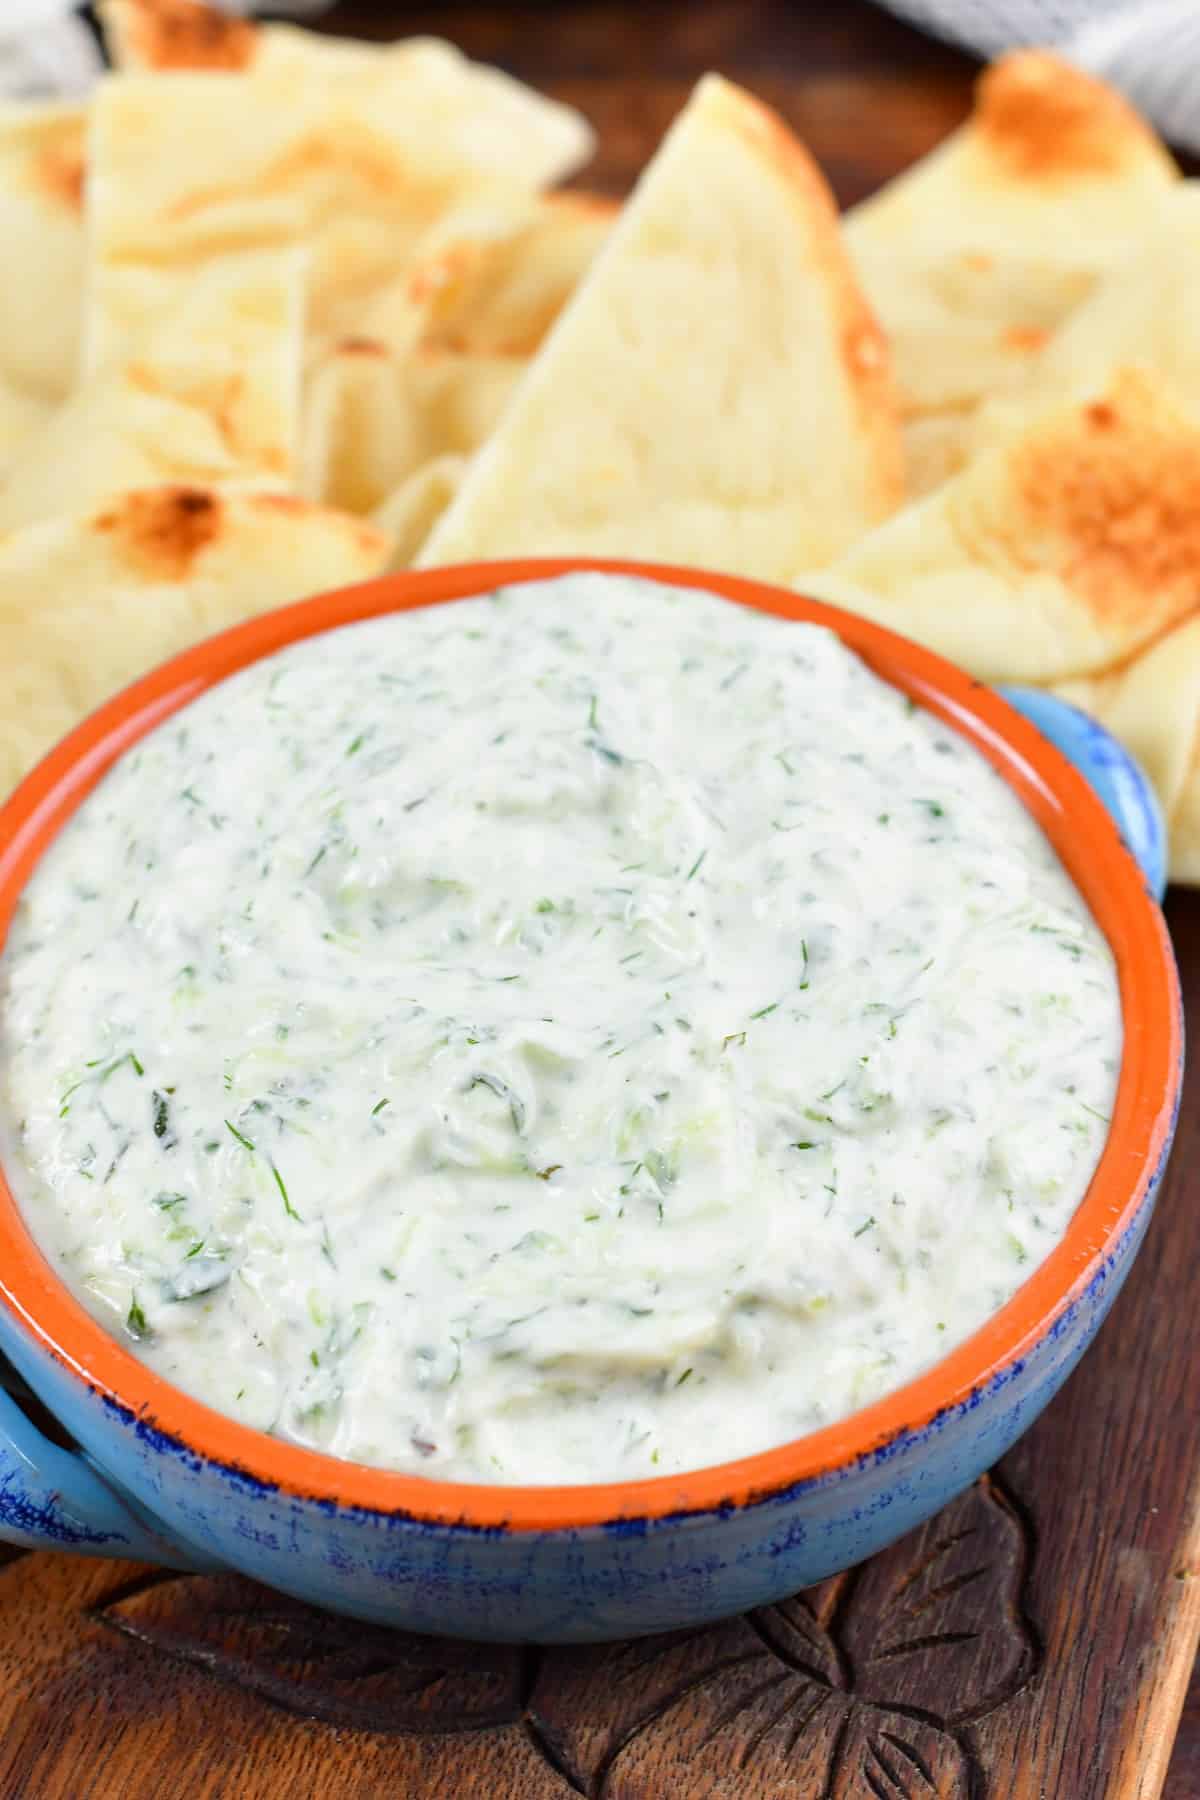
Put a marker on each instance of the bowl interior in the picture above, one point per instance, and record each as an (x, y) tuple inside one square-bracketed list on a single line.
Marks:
[(1073, 818)]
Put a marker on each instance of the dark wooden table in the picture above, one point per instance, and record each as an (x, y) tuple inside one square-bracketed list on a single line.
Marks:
[(1056, 1602)]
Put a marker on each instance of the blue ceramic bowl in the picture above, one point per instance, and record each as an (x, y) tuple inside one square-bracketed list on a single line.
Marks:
[(161, 1477)]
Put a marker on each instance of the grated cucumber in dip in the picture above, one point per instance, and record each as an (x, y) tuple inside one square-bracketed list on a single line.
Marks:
[(575, 1034)]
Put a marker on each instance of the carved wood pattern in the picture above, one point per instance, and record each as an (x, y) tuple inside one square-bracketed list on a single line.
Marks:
[(1032, 1643), (866, 1686)]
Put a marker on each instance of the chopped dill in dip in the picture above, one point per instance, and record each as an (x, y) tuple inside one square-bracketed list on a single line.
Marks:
[(579, 1033)]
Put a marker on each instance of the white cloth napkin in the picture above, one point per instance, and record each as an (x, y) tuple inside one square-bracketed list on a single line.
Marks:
[(1150, 49), (46, 49)]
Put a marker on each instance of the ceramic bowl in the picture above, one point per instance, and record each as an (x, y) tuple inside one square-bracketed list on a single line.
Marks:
[(160, 1476)]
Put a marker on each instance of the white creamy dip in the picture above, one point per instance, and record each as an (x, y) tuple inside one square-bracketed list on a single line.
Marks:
[(580, 1033)]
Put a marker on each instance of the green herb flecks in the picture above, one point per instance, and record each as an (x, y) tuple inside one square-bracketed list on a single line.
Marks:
[(288, 1208), (162, 1120), (502, 1091)]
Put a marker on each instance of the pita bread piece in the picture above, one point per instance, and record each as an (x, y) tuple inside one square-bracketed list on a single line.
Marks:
[(981, 250), (41, 228), (1050, 157), (89, 603), (22, 417), (1143, 313), (1058, 555), (409, 515), (212, 399), (716, 391), (354, 161), (444, 347), (536, 140), (1153, 706)]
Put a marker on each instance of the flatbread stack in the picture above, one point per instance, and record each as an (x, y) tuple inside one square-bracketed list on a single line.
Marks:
[(190, 247), (300, 309)]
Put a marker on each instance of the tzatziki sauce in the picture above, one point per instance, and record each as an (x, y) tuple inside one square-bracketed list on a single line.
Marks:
[(583, 1032)]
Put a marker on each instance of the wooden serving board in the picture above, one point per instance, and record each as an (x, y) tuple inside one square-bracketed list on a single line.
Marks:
[(1032, 1643)]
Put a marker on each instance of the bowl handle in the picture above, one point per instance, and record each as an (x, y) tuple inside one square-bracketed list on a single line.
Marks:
[(53, 1499), (1120, 781)]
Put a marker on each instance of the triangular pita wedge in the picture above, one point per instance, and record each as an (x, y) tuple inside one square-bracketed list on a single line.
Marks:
[(1060, 554), (443, 348), (716, 392), (1153, 706), (88, 603), (409, 515), (1144, 313), (41, 230), (356, 161), (981, 250), (1050, 158), (213, 399)]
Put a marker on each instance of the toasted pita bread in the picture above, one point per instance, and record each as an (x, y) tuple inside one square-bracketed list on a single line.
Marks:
[(492, 277), (1058, 555), (409, 515), (444, 347), (355, 160), (1143, 313), (964, 326), (975, 255), (542, 140), (41, 229), (212, 399), (1050, 156), (715, 392), (1153, 706), (88, 603), (373, 421)]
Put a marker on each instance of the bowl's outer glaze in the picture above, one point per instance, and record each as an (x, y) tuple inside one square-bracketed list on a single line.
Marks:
[(173, 1482)]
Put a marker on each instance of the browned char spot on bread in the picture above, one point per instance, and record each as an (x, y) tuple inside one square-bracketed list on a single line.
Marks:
[(183, 34), (58, 171), (1025, 339), (1044, 120), (160, 532), (1115, 487)]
